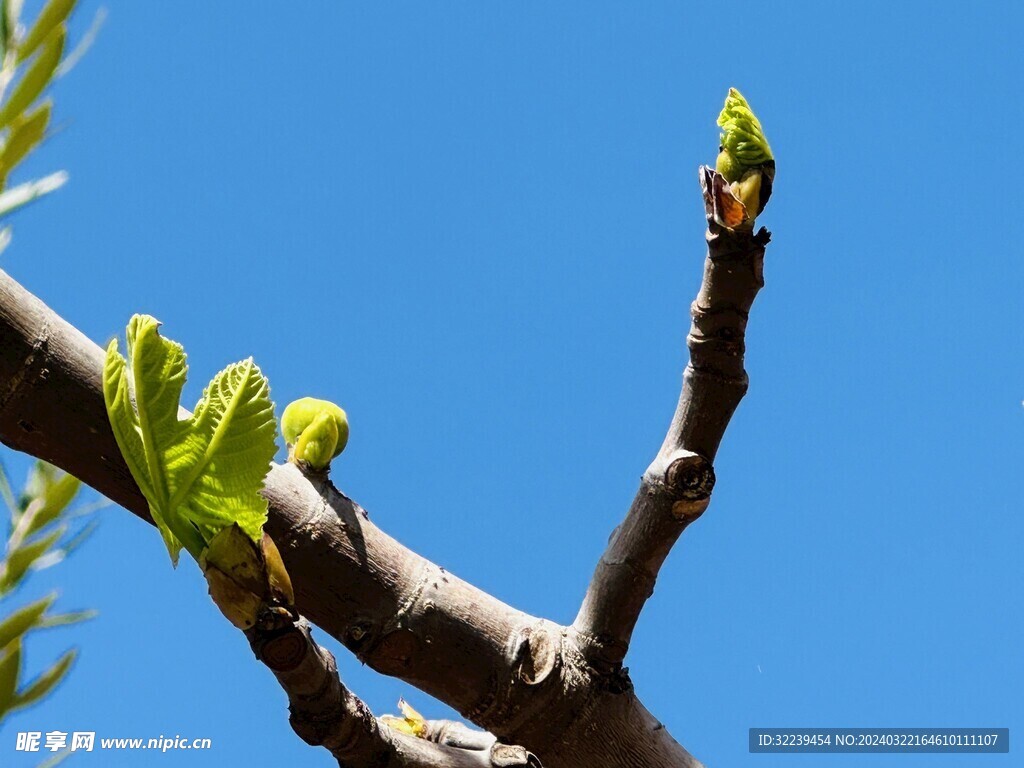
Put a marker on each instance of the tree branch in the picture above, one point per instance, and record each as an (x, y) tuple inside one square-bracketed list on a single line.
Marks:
[(325, 713), (361, 586), (676, 488), (518, 676)]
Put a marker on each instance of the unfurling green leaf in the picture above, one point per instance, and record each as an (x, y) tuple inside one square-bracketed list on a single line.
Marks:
[(35, 79), (742, 138), (23, 619), (736, 192), (53, 14), (201, 474), (46, 682)]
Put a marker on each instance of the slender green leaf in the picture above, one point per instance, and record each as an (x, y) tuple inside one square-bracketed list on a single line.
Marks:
[(22, 558), (10, 671), (24, 619), (46, 682), (64, 619), (23, 194), (56, 759), (85, 42), (54, 500), (5, 486), (202, 474), (53, 14), (9, 14), (35, 79), (79, 538), (40, 476), (25, 133)]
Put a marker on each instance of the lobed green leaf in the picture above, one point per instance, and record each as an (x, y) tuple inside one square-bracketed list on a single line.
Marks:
[(201, 474)]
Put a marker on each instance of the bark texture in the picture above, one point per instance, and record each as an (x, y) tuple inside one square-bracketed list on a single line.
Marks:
[(560, 692)]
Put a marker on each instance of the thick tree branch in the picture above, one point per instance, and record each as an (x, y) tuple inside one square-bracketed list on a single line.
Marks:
[(399, 613), (520, 677), (325, 713), (676, 488)]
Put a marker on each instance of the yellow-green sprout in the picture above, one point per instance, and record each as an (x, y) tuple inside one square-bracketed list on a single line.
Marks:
[(743, 143), (315, 430), (745, 160)]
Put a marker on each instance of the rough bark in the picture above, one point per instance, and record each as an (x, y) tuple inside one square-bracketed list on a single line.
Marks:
[(560, 692)]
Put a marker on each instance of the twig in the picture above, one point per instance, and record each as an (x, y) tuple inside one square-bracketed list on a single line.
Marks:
[(676, 488)]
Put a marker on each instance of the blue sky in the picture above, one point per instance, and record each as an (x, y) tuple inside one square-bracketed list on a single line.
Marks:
[(477, 227)]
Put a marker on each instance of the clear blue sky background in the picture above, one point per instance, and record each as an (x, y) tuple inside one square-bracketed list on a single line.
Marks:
[(477, 226)]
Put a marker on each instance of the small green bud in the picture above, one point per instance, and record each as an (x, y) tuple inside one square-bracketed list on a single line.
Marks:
[(315, 430), (729, 166)]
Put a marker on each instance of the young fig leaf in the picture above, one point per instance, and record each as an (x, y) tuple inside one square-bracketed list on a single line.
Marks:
[(201, 474)]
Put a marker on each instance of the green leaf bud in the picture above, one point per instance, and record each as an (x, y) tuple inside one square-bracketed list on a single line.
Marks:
[(742, 138), (315, 430)]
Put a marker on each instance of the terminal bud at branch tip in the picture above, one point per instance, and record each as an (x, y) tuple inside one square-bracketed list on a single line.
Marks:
[(745, 163), (742, 140), (315, 430)]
